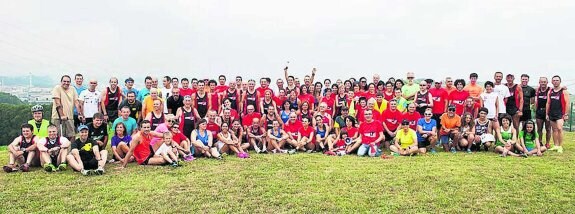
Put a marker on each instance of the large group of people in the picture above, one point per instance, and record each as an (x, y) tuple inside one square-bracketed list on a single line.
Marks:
[(183, 119)]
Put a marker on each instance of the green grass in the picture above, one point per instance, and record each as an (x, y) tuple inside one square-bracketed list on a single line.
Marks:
[(309, 183)]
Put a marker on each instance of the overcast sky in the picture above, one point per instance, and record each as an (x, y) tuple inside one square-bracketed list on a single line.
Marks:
[(251, 38)]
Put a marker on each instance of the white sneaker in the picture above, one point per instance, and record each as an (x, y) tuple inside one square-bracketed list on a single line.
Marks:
[(257, 150), (84, 172)]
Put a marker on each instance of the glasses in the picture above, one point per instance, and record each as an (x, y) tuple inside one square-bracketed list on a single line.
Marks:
[(410, 77), (451, 110), (423, 85), (428, 114)]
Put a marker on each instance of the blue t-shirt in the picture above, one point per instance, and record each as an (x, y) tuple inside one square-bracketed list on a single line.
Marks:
[(425, 126), (130, 124), (116, 140), (142, 94), (125, 91)]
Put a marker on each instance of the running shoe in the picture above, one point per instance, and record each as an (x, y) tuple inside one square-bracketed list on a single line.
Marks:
[(189, 158), (291, 151), (560, 149), (10, 168), (468, 151), (49, 167), (554, 148), (62, 167), (85, 172), (174, 164), (246, 155), (395, 154), (25, 167), (433, 151), (99, 171), (453, 150)]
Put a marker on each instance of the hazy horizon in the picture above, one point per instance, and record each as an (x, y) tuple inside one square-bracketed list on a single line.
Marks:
[(254, 38)]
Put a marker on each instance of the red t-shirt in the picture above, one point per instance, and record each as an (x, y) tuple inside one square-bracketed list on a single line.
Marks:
[(330, 101), (439, 100), (221, 88), (262, 91), (375, 115), (307, 97), (178, 137), (215, 100), (370, 131), (350, 131), (412, 118), (388, 97), (248, 118), (306, 132), (292, 128), (458, 99), (214, 128), (186, 92), (392, 118)]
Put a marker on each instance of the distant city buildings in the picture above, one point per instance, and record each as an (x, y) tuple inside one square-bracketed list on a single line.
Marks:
[(28, 94)]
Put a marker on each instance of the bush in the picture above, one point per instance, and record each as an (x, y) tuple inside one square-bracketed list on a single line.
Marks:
[(12, 116)]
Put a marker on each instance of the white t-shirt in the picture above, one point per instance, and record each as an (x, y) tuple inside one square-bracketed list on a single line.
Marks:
[(91, 102), (489, 101), (165, 93), (503, 92)]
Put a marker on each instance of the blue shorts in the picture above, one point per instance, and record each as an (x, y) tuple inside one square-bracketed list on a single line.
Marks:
[(530, 149)]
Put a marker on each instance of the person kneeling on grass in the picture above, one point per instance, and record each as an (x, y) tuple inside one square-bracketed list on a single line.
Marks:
[(405, 141), (120, 142), (22, 150), (165, 150), (371, 132), (228, 141), (529, 140), (506, 138), (450, 123), (53, 150), (202, 139), (85, 155)]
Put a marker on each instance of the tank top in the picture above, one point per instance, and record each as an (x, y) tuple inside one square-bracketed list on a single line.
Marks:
[(25, 144), (304, 115), (143, 150), (202, 105), (187, 122), (505, 135), (284, 116), (269, 123), (542, 98), (233, 96), (51, 144), (156, 121), (215, 99), (481, 129), (266, 105), (321, 133), (252, 99), (293, 105), (278, 134), (204, 139), (113, 99), (257, 131), (556, 104), (229, 137), (511, 105), (422, 99)]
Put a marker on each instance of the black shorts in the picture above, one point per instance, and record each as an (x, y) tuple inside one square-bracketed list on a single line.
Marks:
[(437, 118), (149, 156), (526, 115), (423, 143), (540, 114), (76, 121), (387, 136), (90, 163), (555, 117), (512, 111)]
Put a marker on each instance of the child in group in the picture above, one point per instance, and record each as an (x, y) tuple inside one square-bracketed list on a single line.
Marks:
[(341, 144), (166, 152), (529, 140)]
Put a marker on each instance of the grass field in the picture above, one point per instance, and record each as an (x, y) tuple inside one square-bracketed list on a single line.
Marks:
[(309, 183)]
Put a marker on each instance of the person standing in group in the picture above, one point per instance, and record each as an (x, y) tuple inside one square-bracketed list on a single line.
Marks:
[(439, 96), (129, 83), (423, 99), (111, 99), (542, 97), (148, 105), (175, 101), (202, 100), (165, 92), (473, 88), (130, 124), (410, 89), (556, 112), (144, 92), (78, 80), (514, 104), (503, 93), (490, 100), (528, 98), (64, 100), (89, 103)]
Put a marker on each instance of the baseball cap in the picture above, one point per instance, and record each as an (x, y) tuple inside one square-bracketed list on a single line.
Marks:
[(344, 108), (405, 122), (82, 127), (129, 80)]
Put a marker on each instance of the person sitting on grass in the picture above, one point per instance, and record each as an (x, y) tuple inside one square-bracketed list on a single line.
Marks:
[(257, 136), (506, 138), (140, 147), (98, 130), (405, 140), (53, 150), (202, 139), (342, 143), (426, 132), (466, 136), (120, 142), (482, 131), (277, 137), (352, 134), (371, 132), (529, 140), (181, 145), (85, 155), (322, 138), (305, 137), (450, 123), (22, 150), (228, 141), (241, 135), (165, 150)]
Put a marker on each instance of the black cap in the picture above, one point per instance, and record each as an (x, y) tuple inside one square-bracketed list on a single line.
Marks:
[(129, 80), (405, 122)]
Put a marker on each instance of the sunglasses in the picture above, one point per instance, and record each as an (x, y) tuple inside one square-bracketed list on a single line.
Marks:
[(428, 114), (451, 110)]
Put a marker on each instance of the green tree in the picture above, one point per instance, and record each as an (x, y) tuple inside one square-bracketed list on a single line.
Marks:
[(12, 116), (9, 99)]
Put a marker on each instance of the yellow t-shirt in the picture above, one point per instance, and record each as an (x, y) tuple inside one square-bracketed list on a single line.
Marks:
[(406, 139), (149, 103)]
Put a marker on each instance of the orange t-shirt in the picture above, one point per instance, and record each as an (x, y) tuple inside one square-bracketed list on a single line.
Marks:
[(149, 103), (474, 90), (449, 123)]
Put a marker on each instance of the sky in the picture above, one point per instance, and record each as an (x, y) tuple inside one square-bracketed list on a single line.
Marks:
[(200, 38)]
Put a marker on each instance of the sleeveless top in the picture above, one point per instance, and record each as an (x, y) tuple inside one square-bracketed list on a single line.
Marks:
[(556, 104), (542, 98), (252, 99), (505, 135), (204, 139), (266, 105), (422, 99), (511, 105), (25, 144), (187, 122), (51, 144), (321, 133), (202, 104), (278, 134), (156, 121), (481, 129), (113, 99), (257, 131), (293, 105), (233, 96), (284, 116)]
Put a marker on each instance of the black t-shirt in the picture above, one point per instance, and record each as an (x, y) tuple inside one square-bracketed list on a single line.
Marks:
[(175, 104), (84, 148), (528, 93), (97, 133), (135, 108)]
